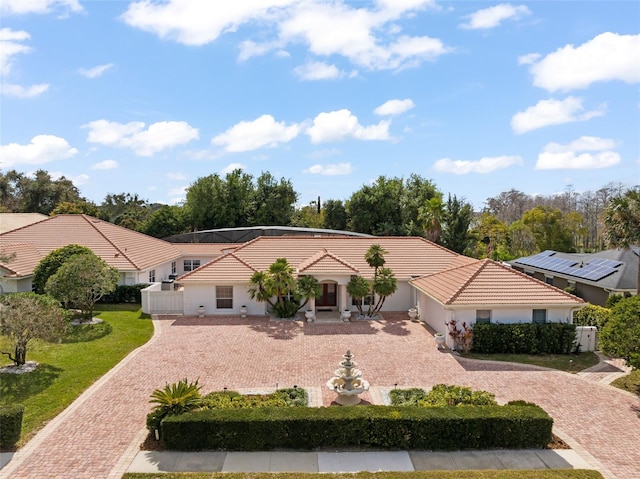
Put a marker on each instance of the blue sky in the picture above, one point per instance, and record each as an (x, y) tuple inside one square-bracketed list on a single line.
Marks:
[(481, 97)]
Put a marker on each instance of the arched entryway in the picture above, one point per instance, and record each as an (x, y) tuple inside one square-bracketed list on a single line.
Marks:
[(328, 299)]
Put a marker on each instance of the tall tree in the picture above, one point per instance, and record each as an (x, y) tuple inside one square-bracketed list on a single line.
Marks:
[(549, 229), (165, 221), (335, 215), (28, 316), (49, 265), (456, 222), (377, 208), (273, 201), (430, 216), (622, 222), (125, 209), (81, 282), (416, 193)]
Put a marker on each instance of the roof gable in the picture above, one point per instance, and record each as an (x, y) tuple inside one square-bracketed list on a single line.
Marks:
[(24, 256), (228, 267), (324, 262), (486, 282)]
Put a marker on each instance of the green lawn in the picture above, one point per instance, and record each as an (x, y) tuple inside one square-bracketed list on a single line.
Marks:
[(67, 369), (571, 363), (487, 474), (630, 382)]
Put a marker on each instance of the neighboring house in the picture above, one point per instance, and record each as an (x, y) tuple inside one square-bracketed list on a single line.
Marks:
[(593, 276), (487, 291), (139, 258), (12, 221)]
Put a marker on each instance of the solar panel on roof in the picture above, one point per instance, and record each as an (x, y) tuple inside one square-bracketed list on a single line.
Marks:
[(594, 270)]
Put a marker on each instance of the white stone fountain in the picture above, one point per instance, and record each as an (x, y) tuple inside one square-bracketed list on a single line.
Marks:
[(347, 382)]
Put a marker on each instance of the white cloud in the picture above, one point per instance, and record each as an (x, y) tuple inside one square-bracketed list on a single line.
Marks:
[(231, 167), (176, 175), (330, 170), (9, 47), (42, 149), (157, 137), (95, 71), (342, 124), (317, 71), (19, 91), (364, 36), (529, 59), (198, 22), (105, 165), (77, 180), (17, 7), (482, 166), (493, 16), (394, 107), (606, 57), (578, 155), (552, 112), (263, 132)]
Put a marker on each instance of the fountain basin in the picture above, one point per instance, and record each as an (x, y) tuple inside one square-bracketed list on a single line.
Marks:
[(347, 397)]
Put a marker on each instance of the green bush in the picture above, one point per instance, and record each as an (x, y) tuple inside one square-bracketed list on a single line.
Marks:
[(592, 315), (176, 398), (524, 338), (11, 424), (378, 427), (125, 293), (620, 337), (442, 395), (234, 400), (406, 397), (613, 299)]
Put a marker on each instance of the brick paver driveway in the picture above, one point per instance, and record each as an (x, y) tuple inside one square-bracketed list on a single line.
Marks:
[(92, 437)]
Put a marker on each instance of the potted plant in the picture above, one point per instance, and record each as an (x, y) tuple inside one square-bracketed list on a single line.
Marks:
[(201, 311), (440, 339)]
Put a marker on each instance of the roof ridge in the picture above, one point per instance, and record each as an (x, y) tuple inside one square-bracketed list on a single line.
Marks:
[(463, 286), (89, 219), (30, 224)]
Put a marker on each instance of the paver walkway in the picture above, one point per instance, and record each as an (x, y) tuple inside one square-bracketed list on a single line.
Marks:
[(93, 437)]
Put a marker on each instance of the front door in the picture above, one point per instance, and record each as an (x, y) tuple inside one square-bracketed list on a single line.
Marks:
[(328, 297)]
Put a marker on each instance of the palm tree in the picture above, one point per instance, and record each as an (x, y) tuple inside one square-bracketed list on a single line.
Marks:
[(358, 287), (280, 280), (258, 289), (431, 216), (308, 287), (622, 223), (384, 285)]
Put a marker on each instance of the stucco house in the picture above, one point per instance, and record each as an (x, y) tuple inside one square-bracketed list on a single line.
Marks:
[(139, 258), (593, 276)]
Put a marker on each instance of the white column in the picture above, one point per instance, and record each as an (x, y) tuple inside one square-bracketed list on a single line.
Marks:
[(343, 297)]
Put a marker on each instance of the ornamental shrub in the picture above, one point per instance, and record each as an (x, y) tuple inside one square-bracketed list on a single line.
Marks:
[(442, 395), (524, 338), (125, 293), (176, 398), (592, 315), (406, 397), (11, 424)]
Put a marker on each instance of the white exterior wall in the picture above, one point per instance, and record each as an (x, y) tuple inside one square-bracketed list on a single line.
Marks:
[(205, 295), (401, 300), (12, 285)]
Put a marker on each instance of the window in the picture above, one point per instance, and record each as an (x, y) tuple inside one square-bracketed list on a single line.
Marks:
[(539, 316), (173, 267), (528, 273), (366, 301), (548, 280), (224, 297), (483, 316), (152, 276), (191, 264)]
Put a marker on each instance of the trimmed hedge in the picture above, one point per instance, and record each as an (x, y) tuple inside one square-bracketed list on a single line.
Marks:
[(377, 427), (524, 338), (124, 294), (11, 424)]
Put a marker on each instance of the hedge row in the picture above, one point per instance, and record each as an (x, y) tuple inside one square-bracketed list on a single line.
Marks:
[(125, 294), (378, 427), (524, 338), (10, 425)]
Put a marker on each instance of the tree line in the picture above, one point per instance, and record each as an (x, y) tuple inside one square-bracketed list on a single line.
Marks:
[(510, 225)]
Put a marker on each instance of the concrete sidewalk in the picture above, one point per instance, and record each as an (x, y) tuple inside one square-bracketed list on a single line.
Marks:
[(284, 461)]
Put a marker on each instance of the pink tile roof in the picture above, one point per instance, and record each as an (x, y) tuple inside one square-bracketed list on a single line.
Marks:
[(124, 249), (406, 256), (486, 282), (26, 256)]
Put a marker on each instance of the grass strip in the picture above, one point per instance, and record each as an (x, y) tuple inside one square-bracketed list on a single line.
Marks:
[(571, 363), (66, 369)]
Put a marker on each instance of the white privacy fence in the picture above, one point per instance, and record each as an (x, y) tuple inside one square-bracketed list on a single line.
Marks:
[(155, 300)]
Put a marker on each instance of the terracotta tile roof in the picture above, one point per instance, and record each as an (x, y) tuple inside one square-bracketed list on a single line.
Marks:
[(486, 282), (324, 262), (12, 221), (224, 268), (22, 264), (406, 256), (124, 249)]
